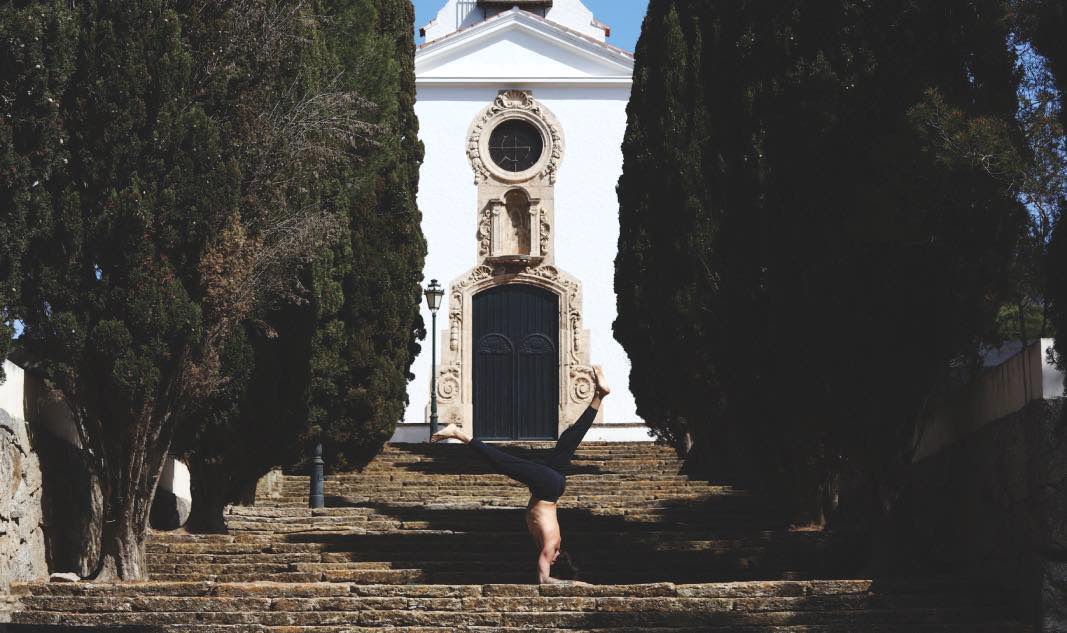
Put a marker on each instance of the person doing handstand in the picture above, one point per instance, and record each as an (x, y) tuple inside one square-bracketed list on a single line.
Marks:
[(545, 481)]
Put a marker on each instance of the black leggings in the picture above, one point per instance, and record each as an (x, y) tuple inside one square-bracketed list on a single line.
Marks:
[(545, 481)]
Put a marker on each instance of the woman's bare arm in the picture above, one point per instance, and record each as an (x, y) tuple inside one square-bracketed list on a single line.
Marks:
[(544, 568)]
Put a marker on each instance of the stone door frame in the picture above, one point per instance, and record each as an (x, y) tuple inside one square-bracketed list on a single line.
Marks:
[(455, 386)]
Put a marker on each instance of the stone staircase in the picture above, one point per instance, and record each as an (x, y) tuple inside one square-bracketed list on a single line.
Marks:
[(426, 539)]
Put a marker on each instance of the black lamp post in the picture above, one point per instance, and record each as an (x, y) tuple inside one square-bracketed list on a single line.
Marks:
[(433, 299), (317, 499)]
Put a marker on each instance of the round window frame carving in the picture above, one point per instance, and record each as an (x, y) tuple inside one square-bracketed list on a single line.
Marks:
[(514, 105)]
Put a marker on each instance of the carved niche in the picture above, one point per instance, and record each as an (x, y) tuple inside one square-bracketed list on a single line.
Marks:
[(514, 226)]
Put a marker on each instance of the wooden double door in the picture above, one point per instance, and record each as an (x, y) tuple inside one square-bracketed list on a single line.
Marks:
[(516, 363)]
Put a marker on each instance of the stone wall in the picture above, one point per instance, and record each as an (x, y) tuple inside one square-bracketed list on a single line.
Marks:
[(994, 507), (998, 391), (22, 546)]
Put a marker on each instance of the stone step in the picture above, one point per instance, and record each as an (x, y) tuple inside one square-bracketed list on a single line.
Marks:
[(611, 525), (650, 448), (884, 620), (591, 489), (426, 539), (178, 604), (922, 587), (761, 606), (821, 628), (460, 544), (615, 471)]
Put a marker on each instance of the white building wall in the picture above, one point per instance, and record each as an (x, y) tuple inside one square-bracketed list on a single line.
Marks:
[(999, 390), (587, 226), (12, 391)]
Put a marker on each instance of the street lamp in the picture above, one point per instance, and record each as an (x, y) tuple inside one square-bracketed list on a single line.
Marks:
[(433, 299)]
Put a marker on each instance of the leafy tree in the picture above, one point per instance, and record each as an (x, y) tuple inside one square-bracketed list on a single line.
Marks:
[(252, 422), (367, 289), (264, 82), (814, 227), (37, 46), (332, 363), (113, 290), (183, 215), (1043, 23)]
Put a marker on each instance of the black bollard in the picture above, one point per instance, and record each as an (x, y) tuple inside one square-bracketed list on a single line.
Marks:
[(316, 499)]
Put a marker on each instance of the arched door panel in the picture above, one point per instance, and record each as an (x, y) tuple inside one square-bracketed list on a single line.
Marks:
[(493, 387), (516, 363)]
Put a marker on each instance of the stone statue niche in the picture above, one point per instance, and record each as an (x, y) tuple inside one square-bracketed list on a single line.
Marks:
[(517, 238)]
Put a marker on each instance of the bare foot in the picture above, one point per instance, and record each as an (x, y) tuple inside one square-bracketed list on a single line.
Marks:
[(449, 432), (602, 388)]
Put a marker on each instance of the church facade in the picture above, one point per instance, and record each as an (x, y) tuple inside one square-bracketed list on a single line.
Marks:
[(521, 107)]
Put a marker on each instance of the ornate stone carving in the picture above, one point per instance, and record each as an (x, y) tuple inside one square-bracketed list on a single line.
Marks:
[(455, 326), (514, 99), (448, 382), (545, 272), (576, 333), (583, 383), (515, 218), (514, 104), (485, 228), (557, 155), (545, 232), (576, 382)]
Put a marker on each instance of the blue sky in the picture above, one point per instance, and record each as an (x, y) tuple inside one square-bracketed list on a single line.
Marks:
[(623, 16)]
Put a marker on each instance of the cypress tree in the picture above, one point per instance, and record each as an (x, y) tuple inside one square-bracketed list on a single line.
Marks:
[(37, 46), (347, 283), (847, 240), (367, 289), (179, 230), (113, 292), (266, 83), (335, 363), (667, 125)]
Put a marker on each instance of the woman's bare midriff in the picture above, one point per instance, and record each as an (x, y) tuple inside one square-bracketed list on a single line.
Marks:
[(541, 521)]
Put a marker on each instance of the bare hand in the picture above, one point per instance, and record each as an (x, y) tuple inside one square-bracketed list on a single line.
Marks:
[(567, 583)]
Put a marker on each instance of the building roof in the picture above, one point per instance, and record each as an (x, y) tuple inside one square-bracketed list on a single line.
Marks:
[(457, 15), (516, 3), (512, 13)]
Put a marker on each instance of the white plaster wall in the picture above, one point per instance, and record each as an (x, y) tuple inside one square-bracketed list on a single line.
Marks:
[(1052, 378), (587, 223), (13, 391), (459, 14), (574, 15), (175, 479), (999, 390)]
